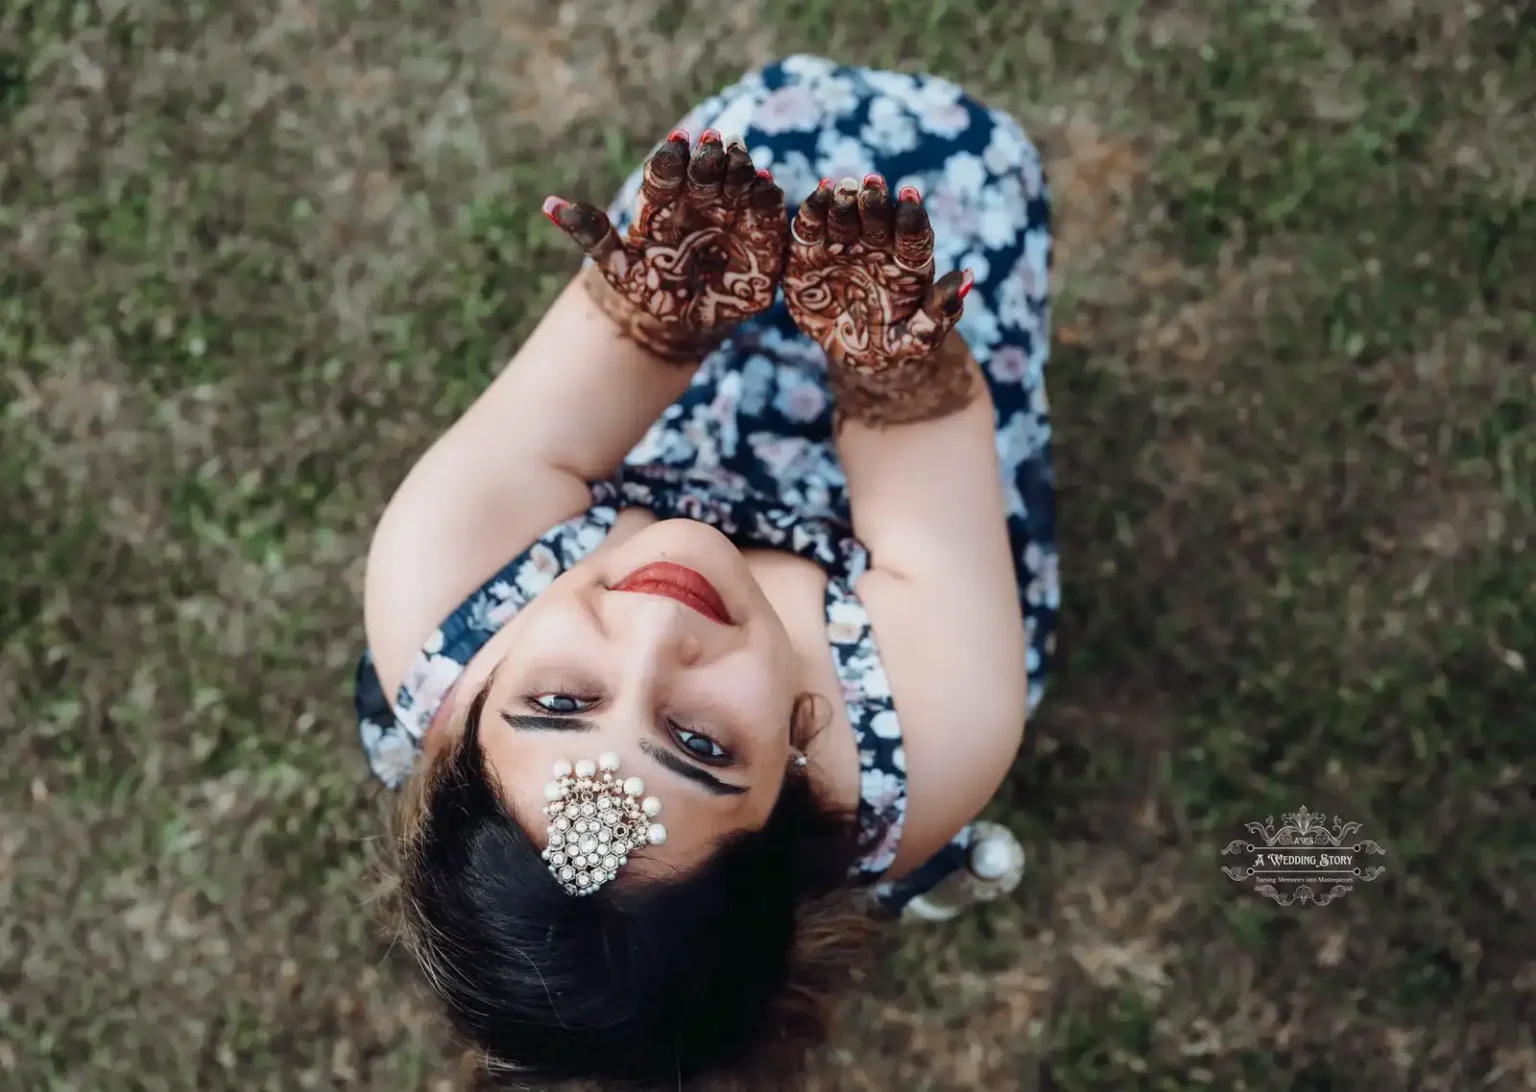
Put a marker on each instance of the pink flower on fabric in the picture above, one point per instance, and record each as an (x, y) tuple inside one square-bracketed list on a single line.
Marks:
[(792, 108)]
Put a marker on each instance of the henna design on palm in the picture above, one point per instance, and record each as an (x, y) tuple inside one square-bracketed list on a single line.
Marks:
[(704, 252), (859, 281)]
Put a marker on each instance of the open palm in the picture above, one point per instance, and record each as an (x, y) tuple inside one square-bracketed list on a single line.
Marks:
[(704, 252)]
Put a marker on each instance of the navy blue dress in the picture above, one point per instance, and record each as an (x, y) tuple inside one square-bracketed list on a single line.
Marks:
[(748, 447)]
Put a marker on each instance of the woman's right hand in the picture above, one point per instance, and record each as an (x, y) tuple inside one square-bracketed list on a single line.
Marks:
[(705, 250)]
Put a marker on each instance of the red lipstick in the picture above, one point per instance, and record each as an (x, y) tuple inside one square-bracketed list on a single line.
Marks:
[(680, 583)]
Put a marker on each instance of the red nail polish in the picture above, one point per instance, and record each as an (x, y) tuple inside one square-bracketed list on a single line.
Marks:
[(553, 207), (765, 174), (826, 184), (710, 136), (873, 179), (909, 193), (967, 280), (678, 135)]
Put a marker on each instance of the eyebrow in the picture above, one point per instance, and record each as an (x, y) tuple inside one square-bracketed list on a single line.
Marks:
[(524, 722)]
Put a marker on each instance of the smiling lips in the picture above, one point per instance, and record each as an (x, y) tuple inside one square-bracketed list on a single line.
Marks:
[(680, 583)]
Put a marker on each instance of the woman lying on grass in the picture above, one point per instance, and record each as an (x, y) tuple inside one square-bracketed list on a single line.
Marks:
[(774, 614)]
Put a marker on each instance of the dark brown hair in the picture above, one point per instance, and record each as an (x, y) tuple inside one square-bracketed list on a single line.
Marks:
[(722, 969)]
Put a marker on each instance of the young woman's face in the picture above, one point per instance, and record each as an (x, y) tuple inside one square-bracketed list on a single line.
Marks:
[(664, 651)]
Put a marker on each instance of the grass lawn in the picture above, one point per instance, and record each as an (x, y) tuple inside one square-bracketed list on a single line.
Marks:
[(253, 257)]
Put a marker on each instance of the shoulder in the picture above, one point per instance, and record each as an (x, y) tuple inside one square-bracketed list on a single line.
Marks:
[(449, 527), (954, 655)]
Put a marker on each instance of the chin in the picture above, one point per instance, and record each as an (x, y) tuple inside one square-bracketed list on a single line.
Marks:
[(696, 545)]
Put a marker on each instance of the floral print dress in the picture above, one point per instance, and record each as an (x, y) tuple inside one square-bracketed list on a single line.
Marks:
[(748, 447)]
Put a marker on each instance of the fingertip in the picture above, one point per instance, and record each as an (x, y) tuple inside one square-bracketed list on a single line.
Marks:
[(765, 174), (874, 181), (677, 136), (909, 193), (553, 207), (710, 136), (967, 281)]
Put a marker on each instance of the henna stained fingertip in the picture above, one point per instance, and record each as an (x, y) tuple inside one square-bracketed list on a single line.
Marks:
[(677, 136), (710, 136), (874, 181), (967, 282), (908, 193)]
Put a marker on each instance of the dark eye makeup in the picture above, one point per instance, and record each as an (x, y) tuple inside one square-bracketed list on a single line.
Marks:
[(567, 703)]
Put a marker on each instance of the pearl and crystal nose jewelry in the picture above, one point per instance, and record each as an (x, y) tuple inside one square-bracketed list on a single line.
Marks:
[(595, 822)]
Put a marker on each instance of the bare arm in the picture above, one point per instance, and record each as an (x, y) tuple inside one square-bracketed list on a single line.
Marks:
[(916, 437), (619, 345)]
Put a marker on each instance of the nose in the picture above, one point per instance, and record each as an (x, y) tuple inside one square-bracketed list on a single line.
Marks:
[(659, 631)]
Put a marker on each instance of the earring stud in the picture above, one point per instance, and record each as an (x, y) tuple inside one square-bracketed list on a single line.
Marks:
[(595, 822)]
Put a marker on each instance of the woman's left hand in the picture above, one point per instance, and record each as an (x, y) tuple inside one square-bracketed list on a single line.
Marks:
[(705, 250)]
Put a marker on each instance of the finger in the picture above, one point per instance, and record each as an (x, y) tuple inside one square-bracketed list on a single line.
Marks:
[(876, 213), (914, 235), (706, 171), (946, 299), (766, 200), (843, 219), (739, 174), (810, 226), (926, 330), (587, 225), (661, 183)]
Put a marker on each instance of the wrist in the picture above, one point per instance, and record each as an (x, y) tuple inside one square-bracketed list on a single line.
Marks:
[(908, 391), (668, 342)]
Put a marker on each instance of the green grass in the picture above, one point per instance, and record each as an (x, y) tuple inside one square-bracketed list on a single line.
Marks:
[(253, 263)]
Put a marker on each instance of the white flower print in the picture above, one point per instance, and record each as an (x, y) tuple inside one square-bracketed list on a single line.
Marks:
[(1042, 563), (391, 754), (978, 263), (1018, 296), (801, 401), (1036, 263), (1004, 152), (732, 121), (589, 536), (789, 109), (1003, 214), (894, 85), (1009, 364), (850, 613), (880, 858), (839, 156), (939, 109), (537, 572), (979, 326), (837, 95), (880, 788), (899, 758), (434, 642), (1039, 404), (965, 176), (885, 725), (873, 679), (807, 66), (757, 375), (501, 613), (428, 678), (665, 444), (792, 171), (890, 129)]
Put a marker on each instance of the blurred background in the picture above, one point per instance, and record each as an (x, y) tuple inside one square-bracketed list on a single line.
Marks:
[(255, 255)]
